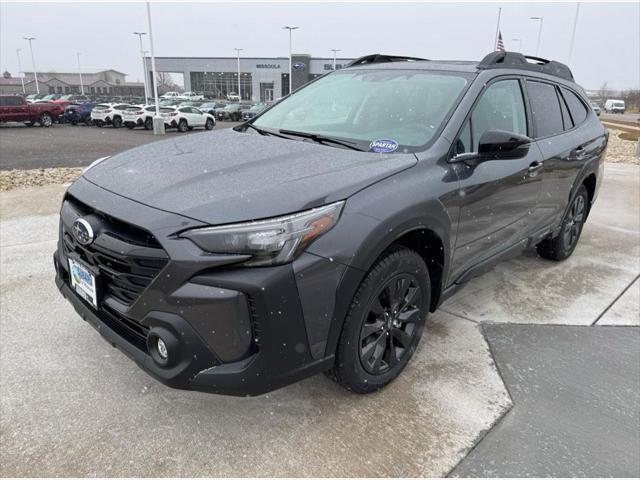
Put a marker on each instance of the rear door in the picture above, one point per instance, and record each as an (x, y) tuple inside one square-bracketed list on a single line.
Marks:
[(498, 198), (557, 114), (198, 117)]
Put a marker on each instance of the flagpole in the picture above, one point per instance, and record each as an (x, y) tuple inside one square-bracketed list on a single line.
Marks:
[(573, 33), (495, 41)]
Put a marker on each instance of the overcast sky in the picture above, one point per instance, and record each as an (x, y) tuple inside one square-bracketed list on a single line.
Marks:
[(607, 40)]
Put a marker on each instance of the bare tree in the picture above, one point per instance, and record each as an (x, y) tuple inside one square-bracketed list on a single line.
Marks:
[(603, 92), (631, 99), (166, 83)]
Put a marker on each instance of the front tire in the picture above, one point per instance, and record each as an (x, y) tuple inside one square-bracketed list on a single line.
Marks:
[(45, 120), (148, 123), (384, 323), (130, 125), (209, 124), (562, 245)]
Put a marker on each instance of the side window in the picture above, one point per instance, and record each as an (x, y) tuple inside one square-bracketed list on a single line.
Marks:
[(545, 108), (576, 107), (566, 118), (463, 144), (4, 101), (501, 107)]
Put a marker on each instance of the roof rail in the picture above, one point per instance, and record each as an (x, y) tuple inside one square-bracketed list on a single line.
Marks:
[(380, 58), (519, 61)]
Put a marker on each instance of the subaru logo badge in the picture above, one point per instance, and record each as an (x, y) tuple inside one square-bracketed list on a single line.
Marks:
[(299, 66), (83, 232)]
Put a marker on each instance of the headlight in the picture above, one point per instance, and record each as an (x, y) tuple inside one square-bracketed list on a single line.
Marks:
[(94, 163), (269, 242)]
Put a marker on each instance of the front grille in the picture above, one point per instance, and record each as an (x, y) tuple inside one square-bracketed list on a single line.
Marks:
[(127, 259)]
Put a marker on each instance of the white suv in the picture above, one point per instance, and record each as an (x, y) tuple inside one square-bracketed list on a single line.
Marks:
[(109, 114), (191, 96), (171, 95), (141, 116), (186, 118)]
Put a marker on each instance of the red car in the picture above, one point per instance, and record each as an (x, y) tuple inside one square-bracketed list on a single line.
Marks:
[(14, 108)]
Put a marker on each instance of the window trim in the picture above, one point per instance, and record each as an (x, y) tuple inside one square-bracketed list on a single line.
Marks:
[(467, 118), (588, 109), (558, 92)]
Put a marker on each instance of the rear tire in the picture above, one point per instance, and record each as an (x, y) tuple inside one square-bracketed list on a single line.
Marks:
[(562, 245), (183, 125), (45, 120), (148, 123), (130, 125), (116, 122), (384, 323), (88, 122)]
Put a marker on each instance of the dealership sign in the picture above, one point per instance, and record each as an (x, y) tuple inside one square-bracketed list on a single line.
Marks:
[(268, 65), (299, 66)]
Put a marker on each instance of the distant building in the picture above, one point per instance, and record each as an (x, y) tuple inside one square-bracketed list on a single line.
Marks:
[(261, 78), (104, 82)]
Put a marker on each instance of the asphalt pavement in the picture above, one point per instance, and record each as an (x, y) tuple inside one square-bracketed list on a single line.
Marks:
[(25, 147)]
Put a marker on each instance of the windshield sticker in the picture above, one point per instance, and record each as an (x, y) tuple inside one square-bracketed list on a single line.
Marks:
[(383, 145)]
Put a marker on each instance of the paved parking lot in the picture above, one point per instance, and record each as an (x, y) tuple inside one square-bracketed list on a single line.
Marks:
[(72, 405), (68, 146)]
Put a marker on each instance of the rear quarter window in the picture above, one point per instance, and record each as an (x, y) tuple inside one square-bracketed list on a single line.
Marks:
[(577, 109), (545, 108)]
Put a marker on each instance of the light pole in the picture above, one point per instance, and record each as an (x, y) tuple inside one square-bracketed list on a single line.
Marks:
[(519, 40), (18, 50), (238, 50), (144, 64), (290, 28), (33, 62), (334, 50), (80, 73), (158, 121), (541, 20), (573, 33)]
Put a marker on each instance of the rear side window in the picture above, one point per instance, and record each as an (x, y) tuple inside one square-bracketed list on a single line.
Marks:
[(576, 107), (545, 108), (566, 118)]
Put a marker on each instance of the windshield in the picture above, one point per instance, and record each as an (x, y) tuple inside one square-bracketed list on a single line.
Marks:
[(364, 105)]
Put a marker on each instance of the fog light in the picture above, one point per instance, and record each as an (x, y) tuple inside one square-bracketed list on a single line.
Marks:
[(162, 349)]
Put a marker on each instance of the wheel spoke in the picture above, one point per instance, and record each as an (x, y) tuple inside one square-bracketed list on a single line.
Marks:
[(403, 337), (378, 351), (392, 358), (410, 315), (371, 328), (409, 298), (368, 350)]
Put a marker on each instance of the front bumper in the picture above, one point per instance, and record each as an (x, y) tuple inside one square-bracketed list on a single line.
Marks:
[(235, 331)]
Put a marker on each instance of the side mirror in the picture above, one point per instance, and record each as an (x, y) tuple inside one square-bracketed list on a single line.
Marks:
[(499, 144)]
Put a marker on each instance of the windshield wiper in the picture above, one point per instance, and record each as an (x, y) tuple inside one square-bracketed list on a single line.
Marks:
[(322, 139), (265, 132)]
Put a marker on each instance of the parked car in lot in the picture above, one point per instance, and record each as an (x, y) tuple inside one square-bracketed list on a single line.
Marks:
[(109, 114), (319, 235), (187, 118), (78, 113), (139, 116), (15, 108), (614, 106), (253, 111), (171, 96), (210, 107), (595, 107), (231, 112), (191, 96), (233, 97)]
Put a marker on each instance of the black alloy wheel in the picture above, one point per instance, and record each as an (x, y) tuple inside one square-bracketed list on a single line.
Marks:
[(391, 324), (562, 245)]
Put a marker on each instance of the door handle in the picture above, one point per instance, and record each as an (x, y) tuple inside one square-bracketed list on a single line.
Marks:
[(535, 166)]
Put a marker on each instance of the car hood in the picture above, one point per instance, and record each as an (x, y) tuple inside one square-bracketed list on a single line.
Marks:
[(227, 176)]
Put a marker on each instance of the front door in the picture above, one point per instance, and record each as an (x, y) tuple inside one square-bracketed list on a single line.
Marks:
[(497, 198)]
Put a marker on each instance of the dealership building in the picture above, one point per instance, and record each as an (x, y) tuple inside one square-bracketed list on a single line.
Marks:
[(264, 79)]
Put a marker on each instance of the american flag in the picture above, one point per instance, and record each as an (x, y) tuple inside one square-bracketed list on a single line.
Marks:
[(500, 43)]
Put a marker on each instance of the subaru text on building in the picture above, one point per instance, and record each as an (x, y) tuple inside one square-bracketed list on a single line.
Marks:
[(318, 236)]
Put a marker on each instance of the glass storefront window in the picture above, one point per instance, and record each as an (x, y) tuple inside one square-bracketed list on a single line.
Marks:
[(221, 84)]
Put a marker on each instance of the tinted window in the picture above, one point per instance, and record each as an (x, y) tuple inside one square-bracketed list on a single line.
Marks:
[(576, 107), (463, 144), (545, 108), (501, 107)]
